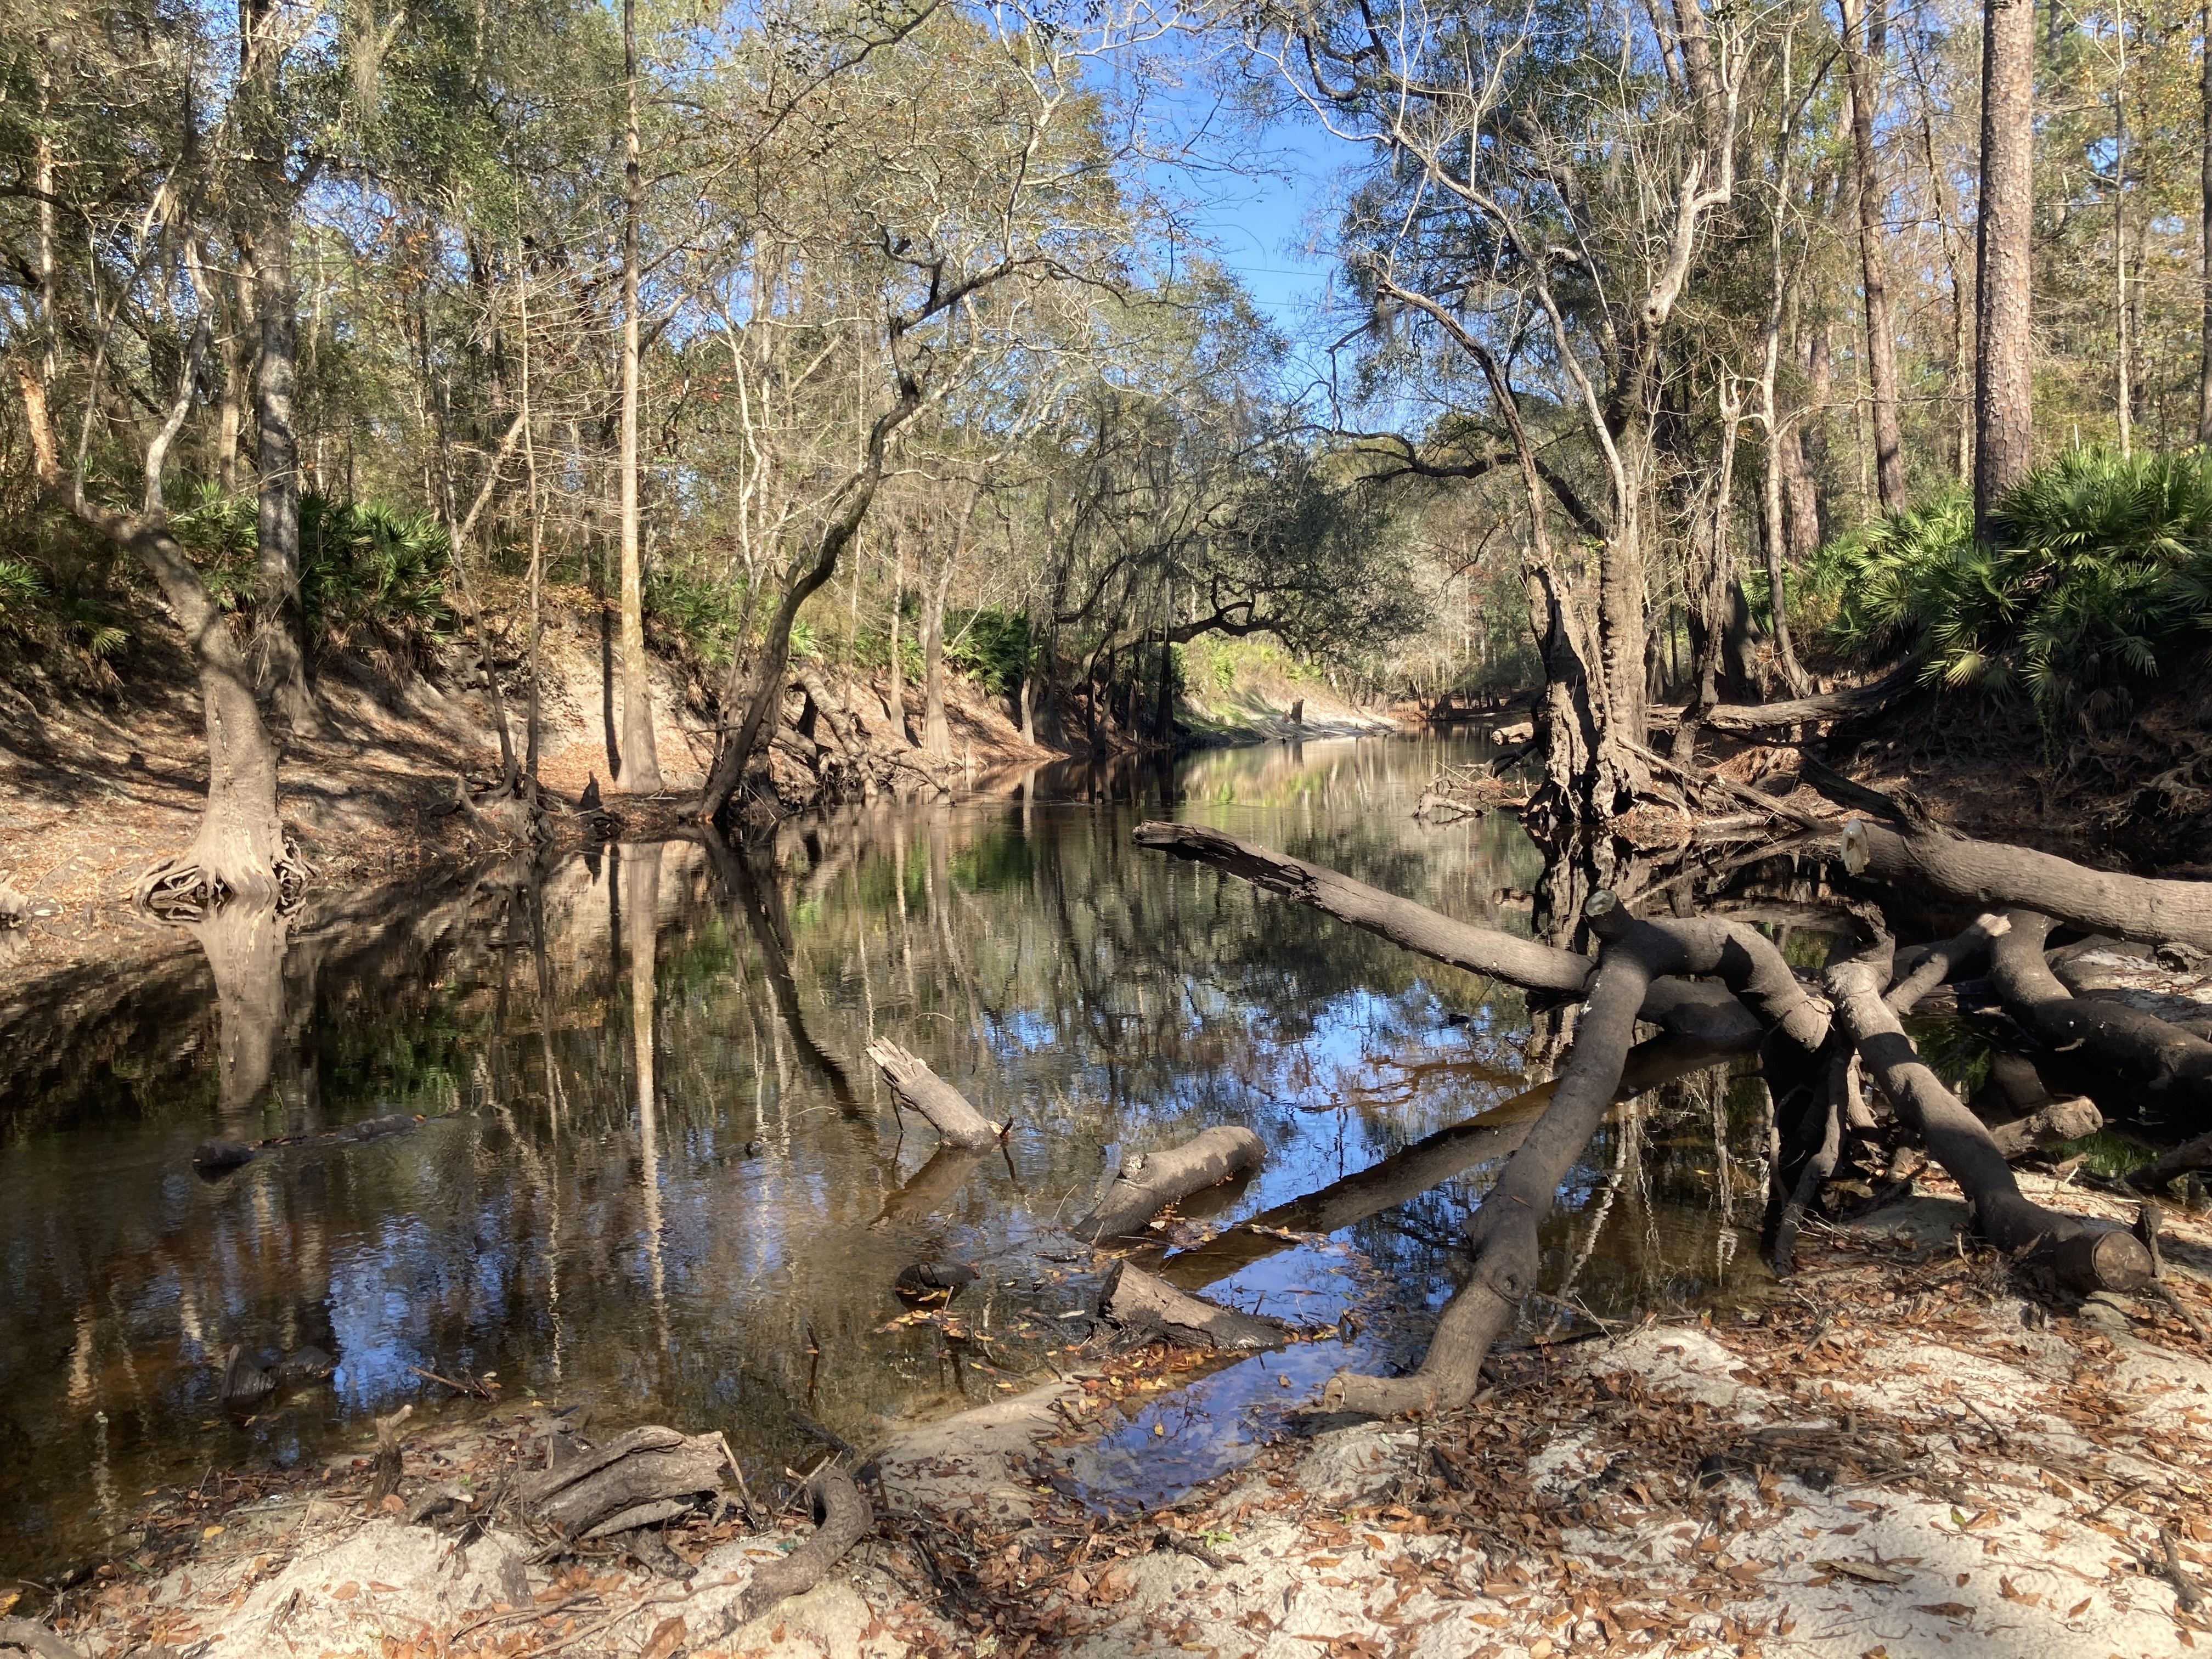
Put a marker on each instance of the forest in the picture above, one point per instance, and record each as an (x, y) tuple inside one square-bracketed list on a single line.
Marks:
[(615, 459)]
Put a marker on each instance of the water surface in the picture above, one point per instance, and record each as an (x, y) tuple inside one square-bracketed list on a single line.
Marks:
[(658, 1177)]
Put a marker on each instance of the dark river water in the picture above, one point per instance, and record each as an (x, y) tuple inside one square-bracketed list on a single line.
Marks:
[(659, 1176)]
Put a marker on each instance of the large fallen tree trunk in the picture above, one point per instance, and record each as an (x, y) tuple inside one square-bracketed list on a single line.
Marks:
[(945, 1106), (1812, 711), (1140, 1308), (2163, 1058), (2084, 1255), (1706, 1012), (1148, 1183), (1426, 1163), (1947, 959), (2195, 1155), (1985, 872), (1504, 1230)]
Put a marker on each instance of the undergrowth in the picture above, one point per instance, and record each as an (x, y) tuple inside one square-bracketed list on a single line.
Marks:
[(2098, 576)]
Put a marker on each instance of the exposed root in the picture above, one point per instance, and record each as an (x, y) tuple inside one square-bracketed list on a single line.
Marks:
[(191, 886)]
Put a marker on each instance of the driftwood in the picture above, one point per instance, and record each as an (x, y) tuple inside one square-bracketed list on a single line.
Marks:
[(2052, 1125), (1142, 1309), (643, 1468), (2147, 1050), (945, 1106), (841, 1519), (1987, 873), (35, 1638), (1504, 1230), (1700, 1012), (2085, 1256), (1426, 1163), (1148, 1183)]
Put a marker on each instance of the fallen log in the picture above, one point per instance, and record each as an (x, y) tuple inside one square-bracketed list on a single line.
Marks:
[(1987, 873), (1946, 960), (945, 1106), (1140, 1308), (1426, 1163), (842, 1518), (1148, 1183), (1702, 1012), (645, 1467), (2192, 1155), (2053, 1125), (2162, 1058), (2085, 1256), (1813, 711), (1504, 1230)]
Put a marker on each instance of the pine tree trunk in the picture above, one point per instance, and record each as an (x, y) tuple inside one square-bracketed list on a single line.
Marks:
[(1881, 340), (936, 733), (641, 757), (2004, 431)]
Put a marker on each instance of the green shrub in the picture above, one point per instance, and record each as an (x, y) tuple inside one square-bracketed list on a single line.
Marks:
[(990, 646), (2099, 571), (705, 610), (363, 567), (20, 591)]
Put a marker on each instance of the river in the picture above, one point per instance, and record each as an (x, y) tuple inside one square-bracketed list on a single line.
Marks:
[(659, 1178)]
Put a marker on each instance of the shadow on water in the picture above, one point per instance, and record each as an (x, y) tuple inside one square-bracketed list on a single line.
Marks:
[(657, 1174)]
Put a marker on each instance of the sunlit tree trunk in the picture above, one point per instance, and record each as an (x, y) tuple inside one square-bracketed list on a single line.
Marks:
[(267, 247), (640, 759), (2004, 430)]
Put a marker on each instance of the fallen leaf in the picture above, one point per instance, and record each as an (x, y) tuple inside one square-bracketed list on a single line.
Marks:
[(346, 1591), (1944, 1609), (667, 1637), (211, 1532)]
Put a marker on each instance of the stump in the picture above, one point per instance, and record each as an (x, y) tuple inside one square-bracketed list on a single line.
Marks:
[(648, 1467), (947, 1109)]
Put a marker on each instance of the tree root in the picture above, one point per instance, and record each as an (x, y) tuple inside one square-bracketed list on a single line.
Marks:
[(35, 1638), (842, 1518), (2085, 1254), (195, 884)]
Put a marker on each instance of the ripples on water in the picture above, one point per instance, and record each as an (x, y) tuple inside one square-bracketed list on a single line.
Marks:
[(659, 1178)]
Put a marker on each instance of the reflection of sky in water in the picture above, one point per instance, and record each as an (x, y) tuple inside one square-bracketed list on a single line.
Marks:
[(1105, 999)]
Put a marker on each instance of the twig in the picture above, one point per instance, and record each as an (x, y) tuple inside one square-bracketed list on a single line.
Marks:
[(473, 1389)]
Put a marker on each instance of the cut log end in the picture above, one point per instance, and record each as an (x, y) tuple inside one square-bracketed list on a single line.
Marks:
[(2114, 1260)]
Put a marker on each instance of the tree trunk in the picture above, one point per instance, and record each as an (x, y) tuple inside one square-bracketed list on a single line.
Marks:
[(1147, 1184), (958, 1123), (241, 851), (897, 669), (2004, 431), (641, 757), (1780, 436), (266, 247), (2086, 1256), (1985, 872), (1881, 339), (936, 734)]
